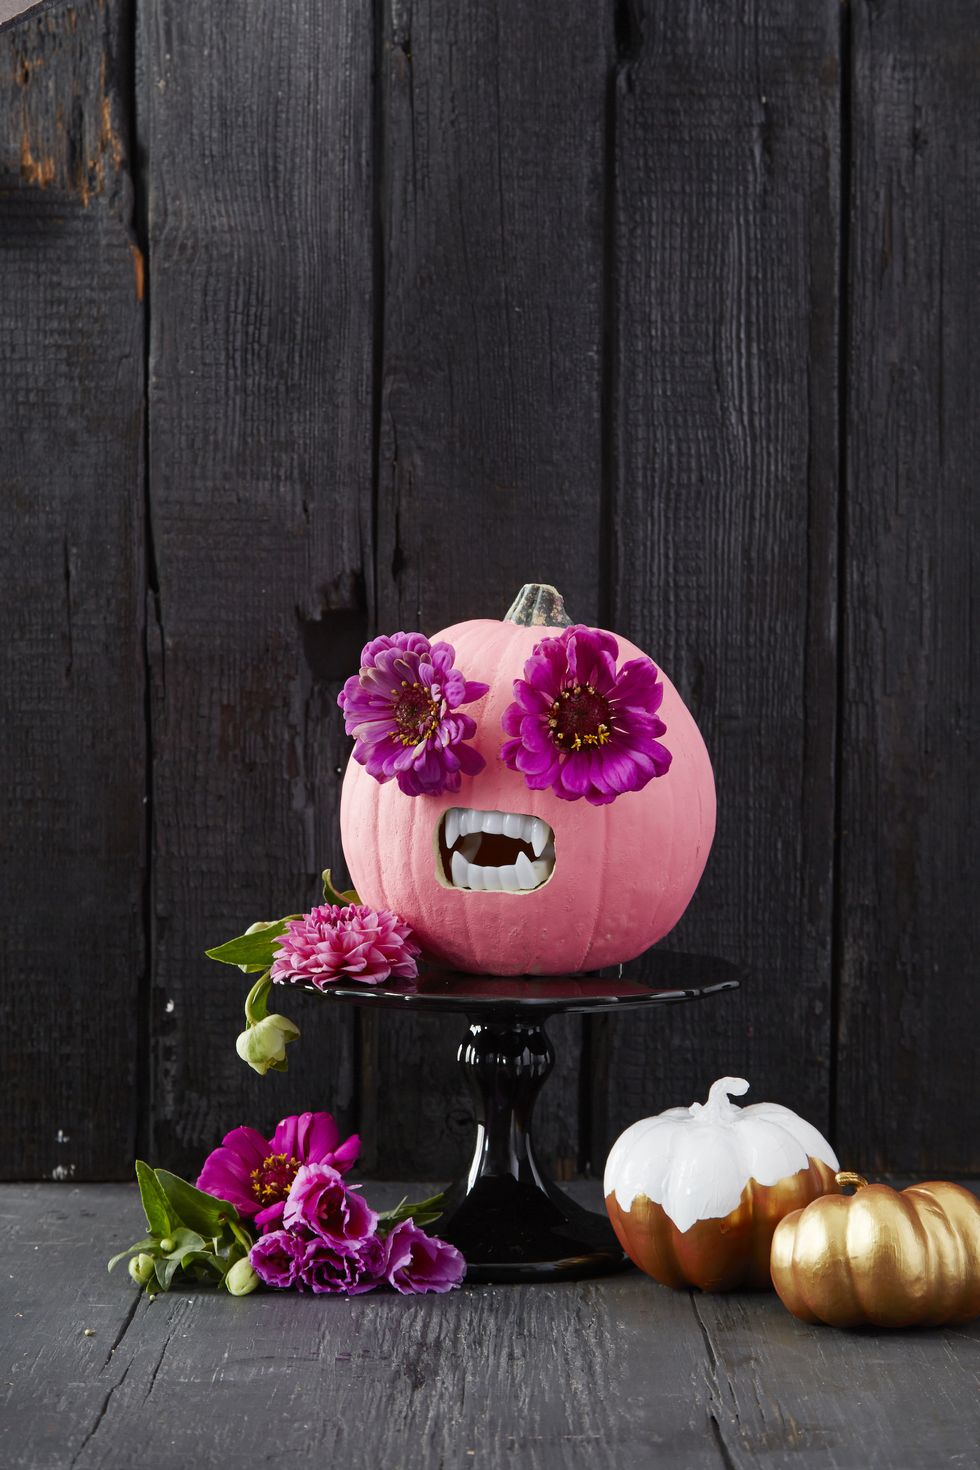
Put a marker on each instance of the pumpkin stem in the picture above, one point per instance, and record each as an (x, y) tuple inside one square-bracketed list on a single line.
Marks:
[(718, 1104), (846, 1177), (538, 605)]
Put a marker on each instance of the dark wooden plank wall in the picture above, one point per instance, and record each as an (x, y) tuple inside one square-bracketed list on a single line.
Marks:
[(910, 830), (72, 945), (259, 495), (670, 304), (725, 151)]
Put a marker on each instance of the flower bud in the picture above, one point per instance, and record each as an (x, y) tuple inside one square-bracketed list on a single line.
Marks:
[(141, 1268), (264, 1044), (241, 1278), (257, 929), (167, 1244)]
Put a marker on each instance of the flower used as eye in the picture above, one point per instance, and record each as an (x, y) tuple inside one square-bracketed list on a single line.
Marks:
[(402, 710), (579, 726)]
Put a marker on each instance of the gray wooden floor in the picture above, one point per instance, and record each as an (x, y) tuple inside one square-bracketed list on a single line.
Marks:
[(616, 1371)]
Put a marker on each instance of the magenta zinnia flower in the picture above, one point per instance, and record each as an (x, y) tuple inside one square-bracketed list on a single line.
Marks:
[(416, 1262), (401, 708), (255, 1174), (320, 1204), (355, 943), (580, 727)]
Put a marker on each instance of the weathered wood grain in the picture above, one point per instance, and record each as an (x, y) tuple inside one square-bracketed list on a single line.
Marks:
[(783, 1394), (615, 1370), (725, 469), (71, 569), (910, 831), (57, 1239), (490, 457), (257, 137), (550, 1375)]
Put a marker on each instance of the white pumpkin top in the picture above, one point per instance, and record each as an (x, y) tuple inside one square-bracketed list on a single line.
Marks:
[(696, 1161)]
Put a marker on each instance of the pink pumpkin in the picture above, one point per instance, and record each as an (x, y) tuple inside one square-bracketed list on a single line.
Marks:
[(608, 881)]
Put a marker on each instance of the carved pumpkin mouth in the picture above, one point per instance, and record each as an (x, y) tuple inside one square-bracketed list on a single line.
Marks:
[(494, 852)]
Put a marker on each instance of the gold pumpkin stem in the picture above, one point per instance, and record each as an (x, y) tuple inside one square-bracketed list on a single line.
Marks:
[(846, 1177)]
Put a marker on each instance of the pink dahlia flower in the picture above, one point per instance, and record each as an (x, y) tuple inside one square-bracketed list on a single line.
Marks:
[(417, 1262), (255, 1174), (321, 1205), (355, 943), (580, 727), (401, 709)]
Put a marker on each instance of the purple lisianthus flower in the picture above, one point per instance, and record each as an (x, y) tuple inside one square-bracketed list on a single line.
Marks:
[(416, 1262), (320, 1204), (255, 1174), (357, 943), (277, 1258), (401, 709), (329, 1271), (580, 727)]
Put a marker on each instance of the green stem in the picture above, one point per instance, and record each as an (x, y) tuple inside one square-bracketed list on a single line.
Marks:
[(255, 1002), (242, 1236)]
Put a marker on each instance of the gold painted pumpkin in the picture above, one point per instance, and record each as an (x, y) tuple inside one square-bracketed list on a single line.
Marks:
[(881, 1257), (694, 1194)]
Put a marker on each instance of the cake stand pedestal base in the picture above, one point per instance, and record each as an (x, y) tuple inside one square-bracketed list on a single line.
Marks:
[(506, 1216)]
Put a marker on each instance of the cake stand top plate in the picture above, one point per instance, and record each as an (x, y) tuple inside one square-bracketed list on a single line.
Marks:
[(653, 979)]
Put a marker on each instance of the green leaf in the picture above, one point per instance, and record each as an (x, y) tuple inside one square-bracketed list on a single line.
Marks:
[(335, 895), (165, 1270), (236, 1252), (198, 1211), (423, 1212), (387, 1218), (207, 1260), (254, 950), (185, 1240), (424, 1218), (149, 1242), (156, 1206)]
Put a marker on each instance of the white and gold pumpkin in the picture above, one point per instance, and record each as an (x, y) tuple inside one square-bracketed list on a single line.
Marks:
[(695, 1194)]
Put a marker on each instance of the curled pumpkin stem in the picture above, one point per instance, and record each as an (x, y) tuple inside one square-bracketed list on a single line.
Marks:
[(847, 1177)]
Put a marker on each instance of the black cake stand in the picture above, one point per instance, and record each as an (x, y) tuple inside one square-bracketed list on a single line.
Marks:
[(511, 1221)]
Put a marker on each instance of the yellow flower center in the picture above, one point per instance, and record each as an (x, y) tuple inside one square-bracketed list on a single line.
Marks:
[(273, 1180)]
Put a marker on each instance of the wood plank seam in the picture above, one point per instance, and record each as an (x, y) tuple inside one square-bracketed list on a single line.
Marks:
[(843, 347), (714, 1408), (154, 640)]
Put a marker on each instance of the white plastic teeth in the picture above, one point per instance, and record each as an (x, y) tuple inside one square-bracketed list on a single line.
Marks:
[(463, 830)]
